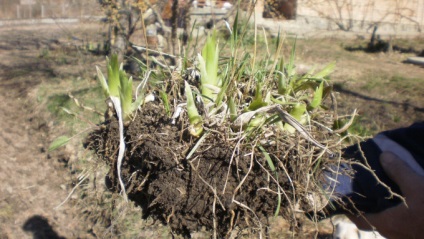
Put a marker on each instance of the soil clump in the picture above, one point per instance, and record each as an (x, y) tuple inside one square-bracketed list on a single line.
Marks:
[(222, 185)]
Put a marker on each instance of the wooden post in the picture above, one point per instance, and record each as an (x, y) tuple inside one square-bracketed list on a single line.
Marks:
[(120, 31), (18, 11), (174, 26), (421, 23), (27, 7), (259, 9)]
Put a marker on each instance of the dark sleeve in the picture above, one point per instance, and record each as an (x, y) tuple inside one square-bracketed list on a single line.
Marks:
[(369, 195), (412, 139)]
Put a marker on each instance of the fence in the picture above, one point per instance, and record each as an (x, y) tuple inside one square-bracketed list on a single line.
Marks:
[(347, 14), (39, 9)]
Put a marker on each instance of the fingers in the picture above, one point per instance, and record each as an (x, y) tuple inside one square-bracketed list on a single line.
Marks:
[(387, 223), (360, 221), (401, 221), (382, 221), (400, 173)]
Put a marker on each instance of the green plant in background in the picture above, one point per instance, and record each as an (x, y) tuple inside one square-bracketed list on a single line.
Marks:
[(294, 90), (65, 105), (44, 52), (59, 142), (355, 128)]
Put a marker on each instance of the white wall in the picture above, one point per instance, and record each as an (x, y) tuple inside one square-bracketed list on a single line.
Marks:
[(389, 11)]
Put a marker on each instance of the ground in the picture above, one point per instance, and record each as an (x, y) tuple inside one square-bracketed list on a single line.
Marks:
[(34, 182), (38, 62)]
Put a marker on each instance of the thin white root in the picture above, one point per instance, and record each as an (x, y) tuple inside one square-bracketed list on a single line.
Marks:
[(117, 105), (73, 190), (250, 210)]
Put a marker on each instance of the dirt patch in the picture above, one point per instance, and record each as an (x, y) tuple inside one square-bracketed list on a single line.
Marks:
[(34, 182), (383, 88)]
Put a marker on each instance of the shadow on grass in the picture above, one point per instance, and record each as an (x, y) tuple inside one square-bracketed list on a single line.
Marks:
[(40, 228), (404, 105), (25, 76), (384, 47)]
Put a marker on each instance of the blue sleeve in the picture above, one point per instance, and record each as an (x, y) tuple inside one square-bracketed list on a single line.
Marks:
[(366, 193)]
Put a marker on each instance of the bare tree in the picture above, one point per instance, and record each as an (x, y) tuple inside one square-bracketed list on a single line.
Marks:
[(122, 17), (126, 16), (369, 13)]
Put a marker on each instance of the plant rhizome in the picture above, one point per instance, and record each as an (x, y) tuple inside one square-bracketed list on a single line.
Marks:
[(245, 164)]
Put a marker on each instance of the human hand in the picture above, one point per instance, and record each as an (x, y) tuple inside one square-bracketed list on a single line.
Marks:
[(401, 221)]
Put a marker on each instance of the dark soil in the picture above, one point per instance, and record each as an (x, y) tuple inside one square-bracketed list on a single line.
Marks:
[(219, 188)]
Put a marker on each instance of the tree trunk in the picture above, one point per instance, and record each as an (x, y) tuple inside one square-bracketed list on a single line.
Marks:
[(120, 30), (186, 21), (286, 9), (174, 26)]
